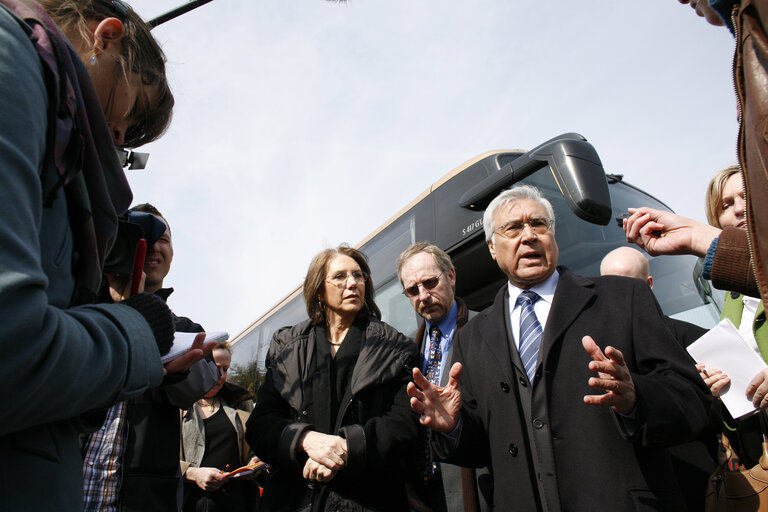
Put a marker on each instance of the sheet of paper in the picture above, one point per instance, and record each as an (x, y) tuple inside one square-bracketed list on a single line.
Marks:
[(724, 348), (182, 342)]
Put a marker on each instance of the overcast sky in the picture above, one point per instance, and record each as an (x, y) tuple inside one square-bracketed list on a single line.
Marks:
[(302, 124)]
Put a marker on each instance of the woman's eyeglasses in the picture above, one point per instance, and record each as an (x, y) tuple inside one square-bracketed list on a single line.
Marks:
[(341, 278), (428, 284)]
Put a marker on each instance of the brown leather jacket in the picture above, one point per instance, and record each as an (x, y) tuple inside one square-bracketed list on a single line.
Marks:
[(733, 269)]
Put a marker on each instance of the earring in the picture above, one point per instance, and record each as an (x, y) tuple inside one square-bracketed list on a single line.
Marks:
[(92, 62)]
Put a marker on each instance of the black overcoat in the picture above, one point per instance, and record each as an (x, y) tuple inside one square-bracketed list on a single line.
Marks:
[(596, 465), (376, 420)]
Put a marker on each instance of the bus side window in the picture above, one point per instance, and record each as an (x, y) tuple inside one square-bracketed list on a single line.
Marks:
[(395, 307)]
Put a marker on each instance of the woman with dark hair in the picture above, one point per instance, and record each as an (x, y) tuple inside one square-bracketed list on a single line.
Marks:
[(332, 416)]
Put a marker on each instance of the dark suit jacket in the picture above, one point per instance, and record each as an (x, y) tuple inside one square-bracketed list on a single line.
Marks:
[(596, 466), (464, 488), (684, 332), (461, 320), (695, 461)]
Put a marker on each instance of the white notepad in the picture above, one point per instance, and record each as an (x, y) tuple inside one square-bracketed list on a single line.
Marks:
[(723, 347), (182, 342)]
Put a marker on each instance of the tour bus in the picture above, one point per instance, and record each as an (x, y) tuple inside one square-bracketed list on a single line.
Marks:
[(589, 206)]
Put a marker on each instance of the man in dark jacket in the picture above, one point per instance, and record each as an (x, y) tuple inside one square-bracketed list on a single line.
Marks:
[(695, 461), (530, 365), (428, 278), (629, 262), (132, 462)]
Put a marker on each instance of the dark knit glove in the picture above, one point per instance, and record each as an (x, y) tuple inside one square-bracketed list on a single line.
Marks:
[(158, 316)]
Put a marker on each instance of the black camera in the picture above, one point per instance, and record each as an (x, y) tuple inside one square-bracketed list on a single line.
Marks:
[(132, 227)]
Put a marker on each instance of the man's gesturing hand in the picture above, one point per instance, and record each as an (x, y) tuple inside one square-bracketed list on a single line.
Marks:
[(612, 377), (439, 407)]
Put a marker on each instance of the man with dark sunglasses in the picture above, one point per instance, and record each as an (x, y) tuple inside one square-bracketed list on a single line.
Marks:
[(429, 281)]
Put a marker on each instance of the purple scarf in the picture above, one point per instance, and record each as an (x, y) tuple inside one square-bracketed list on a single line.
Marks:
[(79, 146)]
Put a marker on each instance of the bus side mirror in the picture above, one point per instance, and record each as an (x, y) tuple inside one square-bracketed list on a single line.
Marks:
[(576, 167)]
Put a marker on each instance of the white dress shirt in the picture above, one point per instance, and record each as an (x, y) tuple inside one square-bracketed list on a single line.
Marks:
[(545, 290)]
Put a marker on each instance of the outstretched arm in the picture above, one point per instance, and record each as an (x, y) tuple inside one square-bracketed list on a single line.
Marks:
[(659, 232)]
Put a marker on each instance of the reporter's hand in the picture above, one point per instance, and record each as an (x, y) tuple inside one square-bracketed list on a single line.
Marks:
[(757, 390), (660, 232), (715, 379), (208, 479), (255, 474), (328, 450), (198, 351), (120, 285)]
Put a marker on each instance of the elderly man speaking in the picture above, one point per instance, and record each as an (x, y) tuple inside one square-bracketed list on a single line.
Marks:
[(569, 387)]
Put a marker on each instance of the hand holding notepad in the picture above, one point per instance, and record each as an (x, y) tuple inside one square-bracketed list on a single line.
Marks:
[(182, 342), (248, 469), (724, 348)]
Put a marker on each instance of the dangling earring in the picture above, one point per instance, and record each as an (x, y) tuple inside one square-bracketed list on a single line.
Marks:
[(92, 62), (321, 304)]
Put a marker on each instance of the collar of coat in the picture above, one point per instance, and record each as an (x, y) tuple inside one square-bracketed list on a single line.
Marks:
[(573, 294), (385, 356)]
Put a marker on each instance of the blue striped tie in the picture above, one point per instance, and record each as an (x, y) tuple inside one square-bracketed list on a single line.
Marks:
[(530, 332)]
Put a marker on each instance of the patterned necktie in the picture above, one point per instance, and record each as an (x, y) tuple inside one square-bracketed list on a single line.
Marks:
[(530, 332), (432, 372), (434, 359)]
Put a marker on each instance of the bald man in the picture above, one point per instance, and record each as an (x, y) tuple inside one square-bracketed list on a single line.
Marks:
[(627, 262), (694, 461)]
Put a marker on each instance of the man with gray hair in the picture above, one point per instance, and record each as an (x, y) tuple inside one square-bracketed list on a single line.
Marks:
[(428, 278), (570, 388)]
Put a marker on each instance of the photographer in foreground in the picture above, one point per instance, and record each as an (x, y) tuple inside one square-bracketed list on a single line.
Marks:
[(65, 102)]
